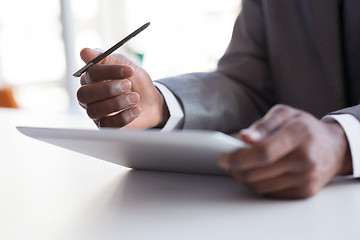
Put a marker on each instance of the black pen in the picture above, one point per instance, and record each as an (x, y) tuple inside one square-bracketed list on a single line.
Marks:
[(110, 50)]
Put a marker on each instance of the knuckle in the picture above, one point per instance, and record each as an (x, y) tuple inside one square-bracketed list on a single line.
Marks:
[(276, 115), (116, 104), (247, 176), (309, 165), (279, 108), (81, 95), (308, 191), (115, 71), (311, 158), (92, 112), (109, 89), (264, 154), (262, 126), (300, 125), (119, 103), (305, 115)]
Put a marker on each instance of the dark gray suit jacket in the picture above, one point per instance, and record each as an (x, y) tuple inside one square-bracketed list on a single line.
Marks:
[(281, 51)]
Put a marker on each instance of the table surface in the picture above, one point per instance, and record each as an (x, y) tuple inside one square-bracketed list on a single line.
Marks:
[(51, 193)]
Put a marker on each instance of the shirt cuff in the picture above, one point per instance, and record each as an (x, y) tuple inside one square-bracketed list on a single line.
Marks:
[(351, 127), (176, 113)]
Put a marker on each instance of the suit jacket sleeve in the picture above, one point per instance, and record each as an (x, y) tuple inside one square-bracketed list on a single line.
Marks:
[(240, 90), (355, 111)]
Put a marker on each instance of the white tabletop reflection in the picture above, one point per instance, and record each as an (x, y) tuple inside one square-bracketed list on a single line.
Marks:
[(51, 193)]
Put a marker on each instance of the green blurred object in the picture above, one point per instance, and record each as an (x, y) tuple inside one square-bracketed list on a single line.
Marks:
[(141, 57)]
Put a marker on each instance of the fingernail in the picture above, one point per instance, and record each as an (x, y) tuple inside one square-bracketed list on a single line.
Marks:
[(254, 134), (126, 71), (224, 162), (135, 111), (125, 85), (133, 98)]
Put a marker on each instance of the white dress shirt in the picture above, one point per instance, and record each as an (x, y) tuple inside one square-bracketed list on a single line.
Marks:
[(176, 113), (351, 127), (348, 122)]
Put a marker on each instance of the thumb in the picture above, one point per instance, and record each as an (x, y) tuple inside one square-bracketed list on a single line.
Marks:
[(251, 135), (88, 54)]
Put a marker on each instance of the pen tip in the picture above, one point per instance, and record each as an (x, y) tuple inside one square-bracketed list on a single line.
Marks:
[(144, 26)]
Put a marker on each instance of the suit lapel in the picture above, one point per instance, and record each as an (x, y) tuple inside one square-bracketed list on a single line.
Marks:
[(325, 23)]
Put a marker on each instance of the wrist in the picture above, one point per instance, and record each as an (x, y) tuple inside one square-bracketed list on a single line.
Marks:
[(164, 113), (345, 167)]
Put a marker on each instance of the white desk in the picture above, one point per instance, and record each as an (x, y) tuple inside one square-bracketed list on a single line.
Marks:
[(51, 193)]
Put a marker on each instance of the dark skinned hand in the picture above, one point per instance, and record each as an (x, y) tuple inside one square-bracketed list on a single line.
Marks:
[(118, 93), (292, 154)]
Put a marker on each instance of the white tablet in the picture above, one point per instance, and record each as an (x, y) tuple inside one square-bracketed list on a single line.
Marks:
[(186, 151)]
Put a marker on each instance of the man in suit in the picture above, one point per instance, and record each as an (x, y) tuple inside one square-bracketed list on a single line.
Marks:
[(294, 61)]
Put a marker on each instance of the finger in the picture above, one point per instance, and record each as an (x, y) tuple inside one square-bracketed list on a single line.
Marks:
[(95, 92), (281, 143), (289, 164), (99, 73), (295, 193), (120, 119), (119, 103), (269, 123), (88, 54), (282, 183), (84, 106)]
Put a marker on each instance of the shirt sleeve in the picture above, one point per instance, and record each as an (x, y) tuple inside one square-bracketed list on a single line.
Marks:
[(351, 126), (176, 113)]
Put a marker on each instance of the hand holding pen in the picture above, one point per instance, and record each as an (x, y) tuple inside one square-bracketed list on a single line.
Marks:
[(118, 93)]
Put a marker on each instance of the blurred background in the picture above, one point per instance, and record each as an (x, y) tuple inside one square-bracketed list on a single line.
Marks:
[(40, 41)]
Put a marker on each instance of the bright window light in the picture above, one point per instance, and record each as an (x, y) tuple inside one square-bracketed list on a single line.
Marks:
[(184, 36)]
